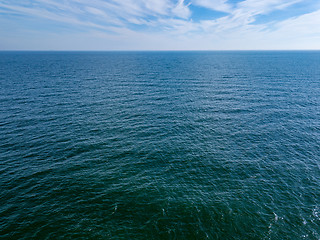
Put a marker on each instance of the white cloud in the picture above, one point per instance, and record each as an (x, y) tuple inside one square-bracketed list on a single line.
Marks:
[(260, 6), (181, 10), (218, 5), (168, 24)]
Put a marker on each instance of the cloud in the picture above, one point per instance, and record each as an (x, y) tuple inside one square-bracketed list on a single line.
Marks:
[(218, 5), (130, 24), (182, 10)]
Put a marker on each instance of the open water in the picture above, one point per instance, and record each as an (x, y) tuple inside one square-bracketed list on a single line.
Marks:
[(160, 145)]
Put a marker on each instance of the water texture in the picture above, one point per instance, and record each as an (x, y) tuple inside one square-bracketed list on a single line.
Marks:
[(160, 145)]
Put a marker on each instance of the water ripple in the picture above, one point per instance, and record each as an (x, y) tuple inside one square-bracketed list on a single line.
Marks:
[(163, 145)]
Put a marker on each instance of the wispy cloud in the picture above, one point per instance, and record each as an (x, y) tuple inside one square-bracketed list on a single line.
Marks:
[(171, 21)]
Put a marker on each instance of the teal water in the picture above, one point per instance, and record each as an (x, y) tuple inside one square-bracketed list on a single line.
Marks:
[(160, 145)]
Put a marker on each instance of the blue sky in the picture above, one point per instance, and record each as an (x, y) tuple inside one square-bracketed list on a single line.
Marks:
[(159, 24)]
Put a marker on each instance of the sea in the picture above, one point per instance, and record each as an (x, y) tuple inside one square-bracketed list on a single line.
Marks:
[(160, 145)]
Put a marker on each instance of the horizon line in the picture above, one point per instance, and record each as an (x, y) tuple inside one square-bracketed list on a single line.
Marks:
[(155, 50)]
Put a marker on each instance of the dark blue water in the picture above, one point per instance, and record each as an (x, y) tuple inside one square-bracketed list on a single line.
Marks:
[(160, 145)]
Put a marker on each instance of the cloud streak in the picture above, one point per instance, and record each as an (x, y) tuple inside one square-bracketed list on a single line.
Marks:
[(229, 25)]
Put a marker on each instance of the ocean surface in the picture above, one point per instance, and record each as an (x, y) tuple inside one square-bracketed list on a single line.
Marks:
[(160, 145)]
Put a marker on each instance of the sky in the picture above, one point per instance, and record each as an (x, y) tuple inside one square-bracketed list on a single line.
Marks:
[(159, 24)]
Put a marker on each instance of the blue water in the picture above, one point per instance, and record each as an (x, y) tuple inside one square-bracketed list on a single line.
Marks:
[(160, 145)]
